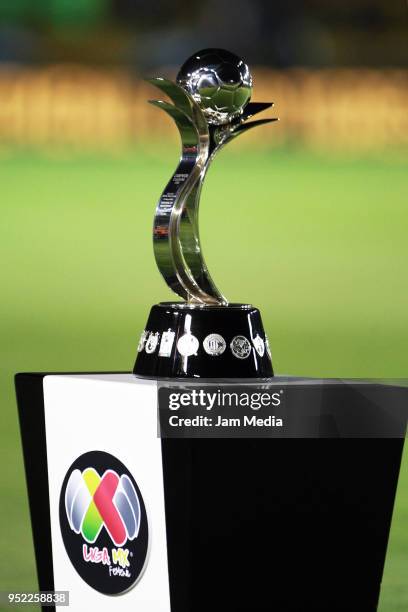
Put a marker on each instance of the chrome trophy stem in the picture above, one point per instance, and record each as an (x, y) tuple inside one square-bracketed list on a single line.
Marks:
[(176, 237)]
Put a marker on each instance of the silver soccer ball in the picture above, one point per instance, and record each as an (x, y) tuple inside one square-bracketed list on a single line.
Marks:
[(219, 81)]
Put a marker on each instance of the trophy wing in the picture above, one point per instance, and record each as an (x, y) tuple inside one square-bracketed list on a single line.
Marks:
[(176, 239)]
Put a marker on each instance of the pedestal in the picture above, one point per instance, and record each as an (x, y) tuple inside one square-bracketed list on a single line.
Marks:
[(208, 524)]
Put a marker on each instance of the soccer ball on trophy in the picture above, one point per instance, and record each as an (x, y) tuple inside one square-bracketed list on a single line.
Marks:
[(219, 81)]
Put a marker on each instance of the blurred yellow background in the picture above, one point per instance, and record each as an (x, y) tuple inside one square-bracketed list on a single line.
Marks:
[(75, 108)]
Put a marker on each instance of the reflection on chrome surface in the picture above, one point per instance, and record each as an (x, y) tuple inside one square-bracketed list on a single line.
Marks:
[(176, 239)]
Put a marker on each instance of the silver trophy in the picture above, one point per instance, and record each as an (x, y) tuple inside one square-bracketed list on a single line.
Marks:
[(210, 106)]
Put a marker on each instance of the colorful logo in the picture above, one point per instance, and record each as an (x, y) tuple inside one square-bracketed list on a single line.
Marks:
[(103, 522), (92, 502)]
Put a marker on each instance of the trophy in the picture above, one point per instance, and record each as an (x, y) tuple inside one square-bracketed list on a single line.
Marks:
[(205, 335)]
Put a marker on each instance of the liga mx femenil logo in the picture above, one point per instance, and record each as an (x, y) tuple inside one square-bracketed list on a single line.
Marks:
[(103, 522), (93, 502)]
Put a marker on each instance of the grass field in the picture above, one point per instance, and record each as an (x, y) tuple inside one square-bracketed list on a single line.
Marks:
[(318, 243)]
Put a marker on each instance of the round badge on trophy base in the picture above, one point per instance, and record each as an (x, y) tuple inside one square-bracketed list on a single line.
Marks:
[(187, 345), (214, 344), (240, 347)]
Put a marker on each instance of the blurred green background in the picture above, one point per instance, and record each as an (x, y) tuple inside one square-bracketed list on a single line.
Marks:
[(308, 221), (318, 243)]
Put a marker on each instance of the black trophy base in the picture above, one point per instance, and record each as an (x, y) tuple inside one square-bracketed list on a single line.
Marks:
[(194, 341)]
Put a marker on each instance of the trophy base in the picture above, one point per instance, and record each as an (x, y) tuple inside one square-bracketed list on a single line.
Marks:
[(195, 341)]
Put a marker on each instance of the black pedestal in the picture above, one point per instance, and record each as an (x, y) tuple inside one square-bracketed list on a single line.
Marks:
[(278, 525), (259, 525)]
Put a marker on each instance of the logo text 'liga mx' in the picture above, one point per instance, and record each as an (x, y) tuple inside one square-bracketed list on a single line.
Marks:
[(103, 522)]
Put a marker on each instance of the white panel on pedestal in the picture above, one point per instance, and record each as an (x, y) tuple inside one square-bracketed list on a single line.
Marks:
[(117, 414)]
